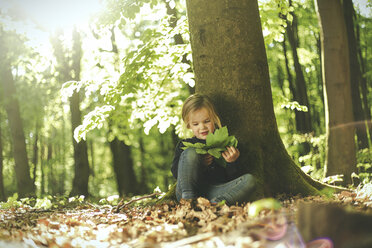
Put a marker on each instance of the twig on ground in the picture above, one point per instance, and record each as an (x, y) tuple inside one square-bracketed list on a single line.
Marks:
[(121, 205)]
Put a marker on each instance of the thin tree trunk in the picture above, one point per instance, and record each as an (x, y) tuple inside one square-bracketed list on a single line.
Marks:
[(143, 177), (341, 156), (63, 159), (2, 191), (231, 67), (50, 178), (81, 178), (320, 78), (280, 78), (123, 167), (25, 186), (80, 182), (304, 123), (290, 80), (355, 76), (364, 88), (35, 152), (42, 169), (91, 150)]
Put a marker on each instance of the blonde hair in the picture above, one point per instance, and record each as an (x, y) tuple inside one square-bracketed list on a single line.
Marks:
[(196, 102)]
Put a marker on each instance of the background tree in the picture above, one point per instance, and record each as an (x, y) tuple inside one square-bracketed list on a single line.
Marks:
[(341, 158), (69, 69), (299, 89), (8, 89), (231, 67), (355, 76), (2, 190)]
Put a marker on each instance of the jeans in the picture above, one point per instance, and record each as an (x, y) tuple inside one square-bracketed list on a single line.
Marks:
[(191, 184)]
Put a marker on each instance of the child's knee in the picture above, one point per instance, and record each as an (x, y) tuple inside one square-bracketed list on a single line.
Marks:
[(249, 181), (190, 155)]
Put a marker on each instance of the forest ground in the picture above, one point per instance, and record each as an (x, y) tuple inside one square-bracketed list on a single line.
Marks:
[(185, 224)]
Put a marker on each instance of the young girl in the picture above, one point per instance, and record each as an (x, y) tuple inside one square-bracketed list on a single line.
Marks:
[(200, 175)]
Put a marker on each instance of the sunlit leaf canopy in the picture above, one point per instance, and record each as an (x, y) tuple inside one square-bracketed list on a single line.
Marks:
[(123, 78), (145, 75)]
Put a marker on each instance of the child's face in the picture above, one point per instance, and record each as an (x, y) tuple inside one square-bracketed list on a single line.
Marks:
[(200, 123)]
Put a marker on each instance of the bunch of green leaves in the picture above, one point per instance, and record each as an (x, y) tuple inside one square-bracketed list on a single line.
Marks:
[(215, 144)]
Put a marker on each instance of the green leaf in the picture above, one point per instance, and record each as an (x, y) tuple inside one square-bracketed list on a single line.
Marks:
[(200, 151), (219, 138), (216, 152), (191, 145)]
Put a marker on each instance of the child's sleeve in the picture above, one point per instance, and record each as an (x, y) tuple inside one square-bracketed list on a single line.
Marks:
[(177, 154)]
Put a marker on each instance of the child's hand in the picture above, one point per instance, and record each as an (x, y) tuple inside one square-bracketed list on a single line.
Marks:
[(231, 154), (207, 159)]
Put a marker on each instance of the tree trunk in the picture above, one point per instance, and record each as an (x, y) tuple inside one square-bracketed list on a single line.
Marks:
[(81, 178), (341, 158), (51, 170), (355, 77), (63, 160), (35, 153), (364, 88), (303, 119), (123, 167), (143, 177), (2, 191), (42, 169), (22, 169), (80, 182), (231, 67), (289, 75)]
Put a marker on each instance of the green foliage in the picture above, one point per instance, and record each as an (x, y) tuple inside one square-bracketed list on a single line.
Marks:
[(273, 25), (215, 143), (12, 202), (47, 202), (151, 88), (294, 105), (364, 165)]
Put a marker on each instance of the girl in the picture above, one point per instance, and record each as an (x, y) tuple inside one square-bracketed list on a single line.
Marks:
[(199, 175)]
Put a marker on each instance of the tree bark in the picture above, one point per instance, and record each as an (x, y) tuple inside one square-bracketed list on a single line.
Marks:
[(231, 67), (123, 167), (24, 182), (355, 76), (341, 157), (81, 178)]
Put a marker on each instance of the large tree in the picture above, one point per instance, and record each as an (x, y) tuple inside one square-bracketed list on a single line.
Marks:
[(340, 158), (231, 67)]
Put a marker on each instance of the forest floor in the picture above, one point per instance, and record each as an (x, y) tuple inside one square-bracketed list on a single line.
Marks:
[(185, 224)]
